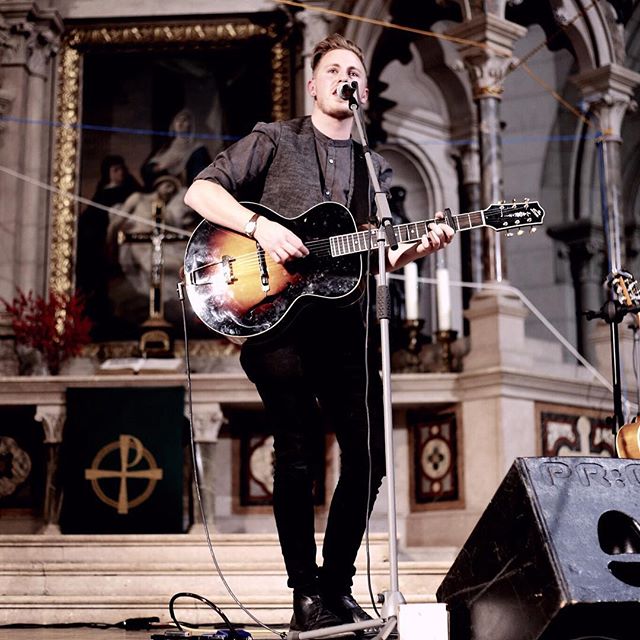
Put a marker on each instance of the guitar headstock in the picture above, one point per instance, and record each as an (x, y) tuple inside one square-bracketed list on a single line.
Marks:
[(625, 288), (514, 215)]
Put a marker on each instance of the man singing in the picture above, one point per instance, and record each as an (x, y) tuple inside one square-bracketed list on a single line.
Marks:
[(316, 369)]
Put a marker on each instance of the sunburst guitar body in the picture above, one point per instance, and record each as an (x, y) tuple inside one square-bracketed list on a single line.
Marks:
[(237, 290)]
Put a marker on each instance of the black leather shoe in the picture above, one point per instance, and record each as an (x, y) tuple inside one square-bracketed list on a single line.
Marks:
[(346, 608), (309, 613)]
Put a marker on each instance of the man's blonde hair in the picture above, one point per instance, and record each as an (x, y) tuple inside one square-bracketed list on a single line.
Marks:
[(331, 43)]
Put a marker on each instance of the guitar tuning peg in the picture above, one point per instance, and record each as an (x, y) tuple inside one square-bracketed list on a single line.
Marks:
[(508, 234), (532, 230), (520, 232)]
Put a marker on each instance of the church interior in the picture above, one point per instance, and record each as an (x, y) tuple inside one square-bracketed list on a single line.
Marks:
[(136, 462)]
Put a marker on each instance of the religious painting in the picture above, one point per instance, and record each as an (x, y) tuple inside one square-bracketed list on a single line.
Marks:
[(436, 471), (149, 107)]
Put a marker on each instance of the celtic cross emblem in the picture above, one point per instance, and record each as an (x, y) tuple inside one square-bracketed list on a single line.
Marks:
[(126, 445)]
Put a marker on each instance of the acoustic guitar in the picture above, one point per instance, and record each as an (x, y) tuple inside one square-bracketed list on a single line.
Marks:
[(237, 290)]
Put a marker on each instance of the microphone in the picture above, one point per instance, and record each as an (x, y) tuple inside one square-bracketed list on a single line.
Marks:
[(346, 90)]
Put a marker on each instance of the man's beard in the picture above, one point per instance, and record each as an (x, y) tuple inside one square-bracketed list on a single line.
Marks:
[(338, 113)]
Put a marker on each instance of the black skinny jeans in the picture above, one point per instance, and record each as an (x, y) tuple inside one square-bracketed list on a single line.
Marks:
[(315, 370)]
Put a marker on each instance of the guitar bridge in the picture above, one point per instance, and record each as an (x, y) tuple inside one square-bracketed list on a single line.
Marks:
[(227, 269)]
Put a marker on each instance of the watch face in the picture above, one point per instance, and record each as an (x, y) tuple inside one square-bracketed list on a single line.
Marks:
[(251, 226)]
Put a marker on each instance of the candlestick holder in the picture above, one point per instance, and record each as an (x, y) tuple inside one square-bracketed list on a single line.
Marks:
[(408, 359), (446, 360)]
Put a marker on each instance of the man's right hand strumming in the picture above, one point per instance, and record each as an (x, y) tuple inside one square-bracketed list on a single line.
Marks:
[(278, 241)]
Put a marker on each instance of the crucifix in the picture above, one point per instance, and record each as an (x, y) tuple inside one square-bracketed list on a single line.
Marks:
[(155, 340)]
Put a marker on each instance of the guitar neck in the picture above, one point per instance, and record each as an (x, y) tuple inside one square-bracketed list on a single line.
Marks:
[(405, 233)]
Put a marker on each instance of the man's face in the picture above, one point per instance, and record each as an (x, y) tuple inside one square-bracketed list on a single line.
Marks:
[(334, 68)]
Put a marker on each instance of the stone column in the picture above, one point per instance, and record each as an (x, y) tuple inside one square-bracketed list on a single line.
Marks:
[(316, 27), (471, 184), (26, 71), (609, 91), (52, 418), (207, 422), (487, 63), (586, 251), (5, 106)]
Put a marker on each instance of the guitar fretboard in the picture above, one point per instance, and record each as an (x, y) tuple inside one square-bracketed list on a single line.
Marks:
[(405, 233)]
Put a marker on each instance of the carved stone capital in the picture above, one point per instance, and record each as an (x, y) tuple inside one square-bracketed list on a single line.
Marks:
[(609, 93), (475, 7), (207, 422), (5, 36), (489, 59), (52, 418), (34, 36), (584, 240), (316, 27)]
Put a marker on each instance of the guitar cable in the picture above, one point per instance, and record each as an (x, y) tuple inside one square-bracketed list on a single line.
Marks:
[(192, 444)]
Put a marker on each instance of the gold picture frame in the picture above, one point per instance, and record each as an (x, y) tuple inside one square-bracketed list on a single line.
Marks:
[(144, 37)]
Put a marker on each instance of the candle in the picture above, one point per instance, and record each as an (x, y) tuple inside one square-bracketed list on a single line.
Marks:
[(411, 311), (443, 298)]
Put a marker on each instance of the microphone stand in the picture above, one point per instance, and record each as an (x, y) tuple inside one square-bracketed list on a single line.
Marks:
[(391, 599)]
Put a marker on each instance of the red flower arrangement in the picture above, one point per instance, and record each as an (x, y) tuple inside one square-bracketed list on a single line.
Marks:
[(37, 323)]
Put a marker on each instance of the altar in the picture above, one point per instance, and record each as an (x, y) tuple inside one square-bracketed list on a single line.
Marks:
[(454, 437)]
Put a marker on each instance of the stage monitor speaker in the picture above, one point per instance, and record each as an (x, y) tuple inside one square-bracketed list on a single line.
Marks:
[(555, 556)]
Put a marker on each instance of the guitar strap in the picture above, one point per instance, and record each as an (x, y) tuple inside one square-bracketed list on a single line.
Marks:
[(359, 199), (360, 205)]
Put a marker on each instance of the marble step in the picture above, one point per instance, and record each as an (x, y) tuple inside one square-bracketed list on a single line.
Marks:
[(275, 610), (94, 597), (61, 579), (49, 579), (158, 548)]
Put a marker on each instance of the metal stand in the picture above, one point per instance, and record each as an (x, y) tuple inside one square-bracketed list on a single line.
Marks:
[(613, 313), (391, 599)]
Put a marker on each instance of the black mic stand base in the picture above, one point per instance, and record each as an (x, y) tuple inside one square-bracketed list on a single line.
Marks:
[(348, 630)]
